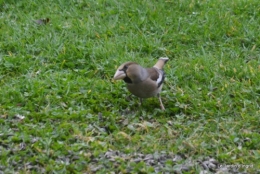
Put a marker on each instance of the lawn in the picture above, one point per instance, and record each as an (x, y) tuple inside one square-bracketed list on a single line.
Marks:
[(61, 112)]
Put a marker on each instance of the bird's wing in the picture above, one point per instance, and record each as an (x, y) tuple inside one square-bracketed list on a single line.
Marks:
[(156, 75)]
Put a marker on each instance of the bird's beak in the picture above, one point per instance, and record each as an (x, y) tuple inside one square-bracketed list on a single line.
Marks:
[(119, 75)]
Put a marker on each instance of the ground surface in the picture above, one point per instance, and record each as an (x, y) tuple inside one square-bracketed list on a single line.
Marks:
[(61, 112)]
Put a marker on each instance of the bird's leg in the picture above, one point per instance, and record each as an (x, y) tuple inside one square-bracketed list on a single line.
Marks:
[(161, 104), (141, 101)]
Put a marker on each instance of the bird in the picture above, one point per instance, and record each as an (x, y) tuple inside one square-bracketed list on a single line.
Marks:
[(42, 21), (143, 82)]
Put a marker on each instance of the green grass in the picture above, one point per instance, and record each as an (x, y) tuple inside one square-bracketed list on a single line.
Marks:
[(58, 77)]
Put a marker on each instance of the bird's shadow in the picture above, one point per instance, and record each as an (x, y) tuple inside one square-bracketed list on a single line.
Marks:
[(136, 106)]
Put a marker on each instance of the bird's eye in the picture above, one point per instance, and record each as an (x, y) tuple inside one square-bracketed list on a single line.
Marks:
[(124, 68)]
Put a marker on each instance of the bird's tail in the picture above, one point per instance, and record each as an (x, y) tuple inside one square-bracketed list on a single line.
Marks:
[(161, 62)]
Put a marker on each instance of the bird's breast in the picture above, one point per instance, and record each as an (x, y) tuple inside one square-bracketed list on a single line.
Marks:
[(144, 90)]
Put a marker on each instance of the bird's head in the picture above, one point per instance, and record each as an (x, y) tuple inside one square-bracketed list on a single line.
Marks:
[(129, 72)]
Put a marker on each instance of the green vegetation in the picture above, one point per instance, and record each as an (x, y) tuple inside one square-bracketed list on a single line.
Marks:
[(60, 111)]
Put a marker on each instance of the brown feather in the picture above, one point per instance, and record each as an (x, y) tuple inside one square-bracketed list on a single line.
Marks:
[(153, 73)]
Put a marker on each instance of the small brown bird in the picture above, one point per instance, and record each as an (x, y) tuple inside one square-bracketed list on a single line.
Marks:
[(42, 21), (143, 82)]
